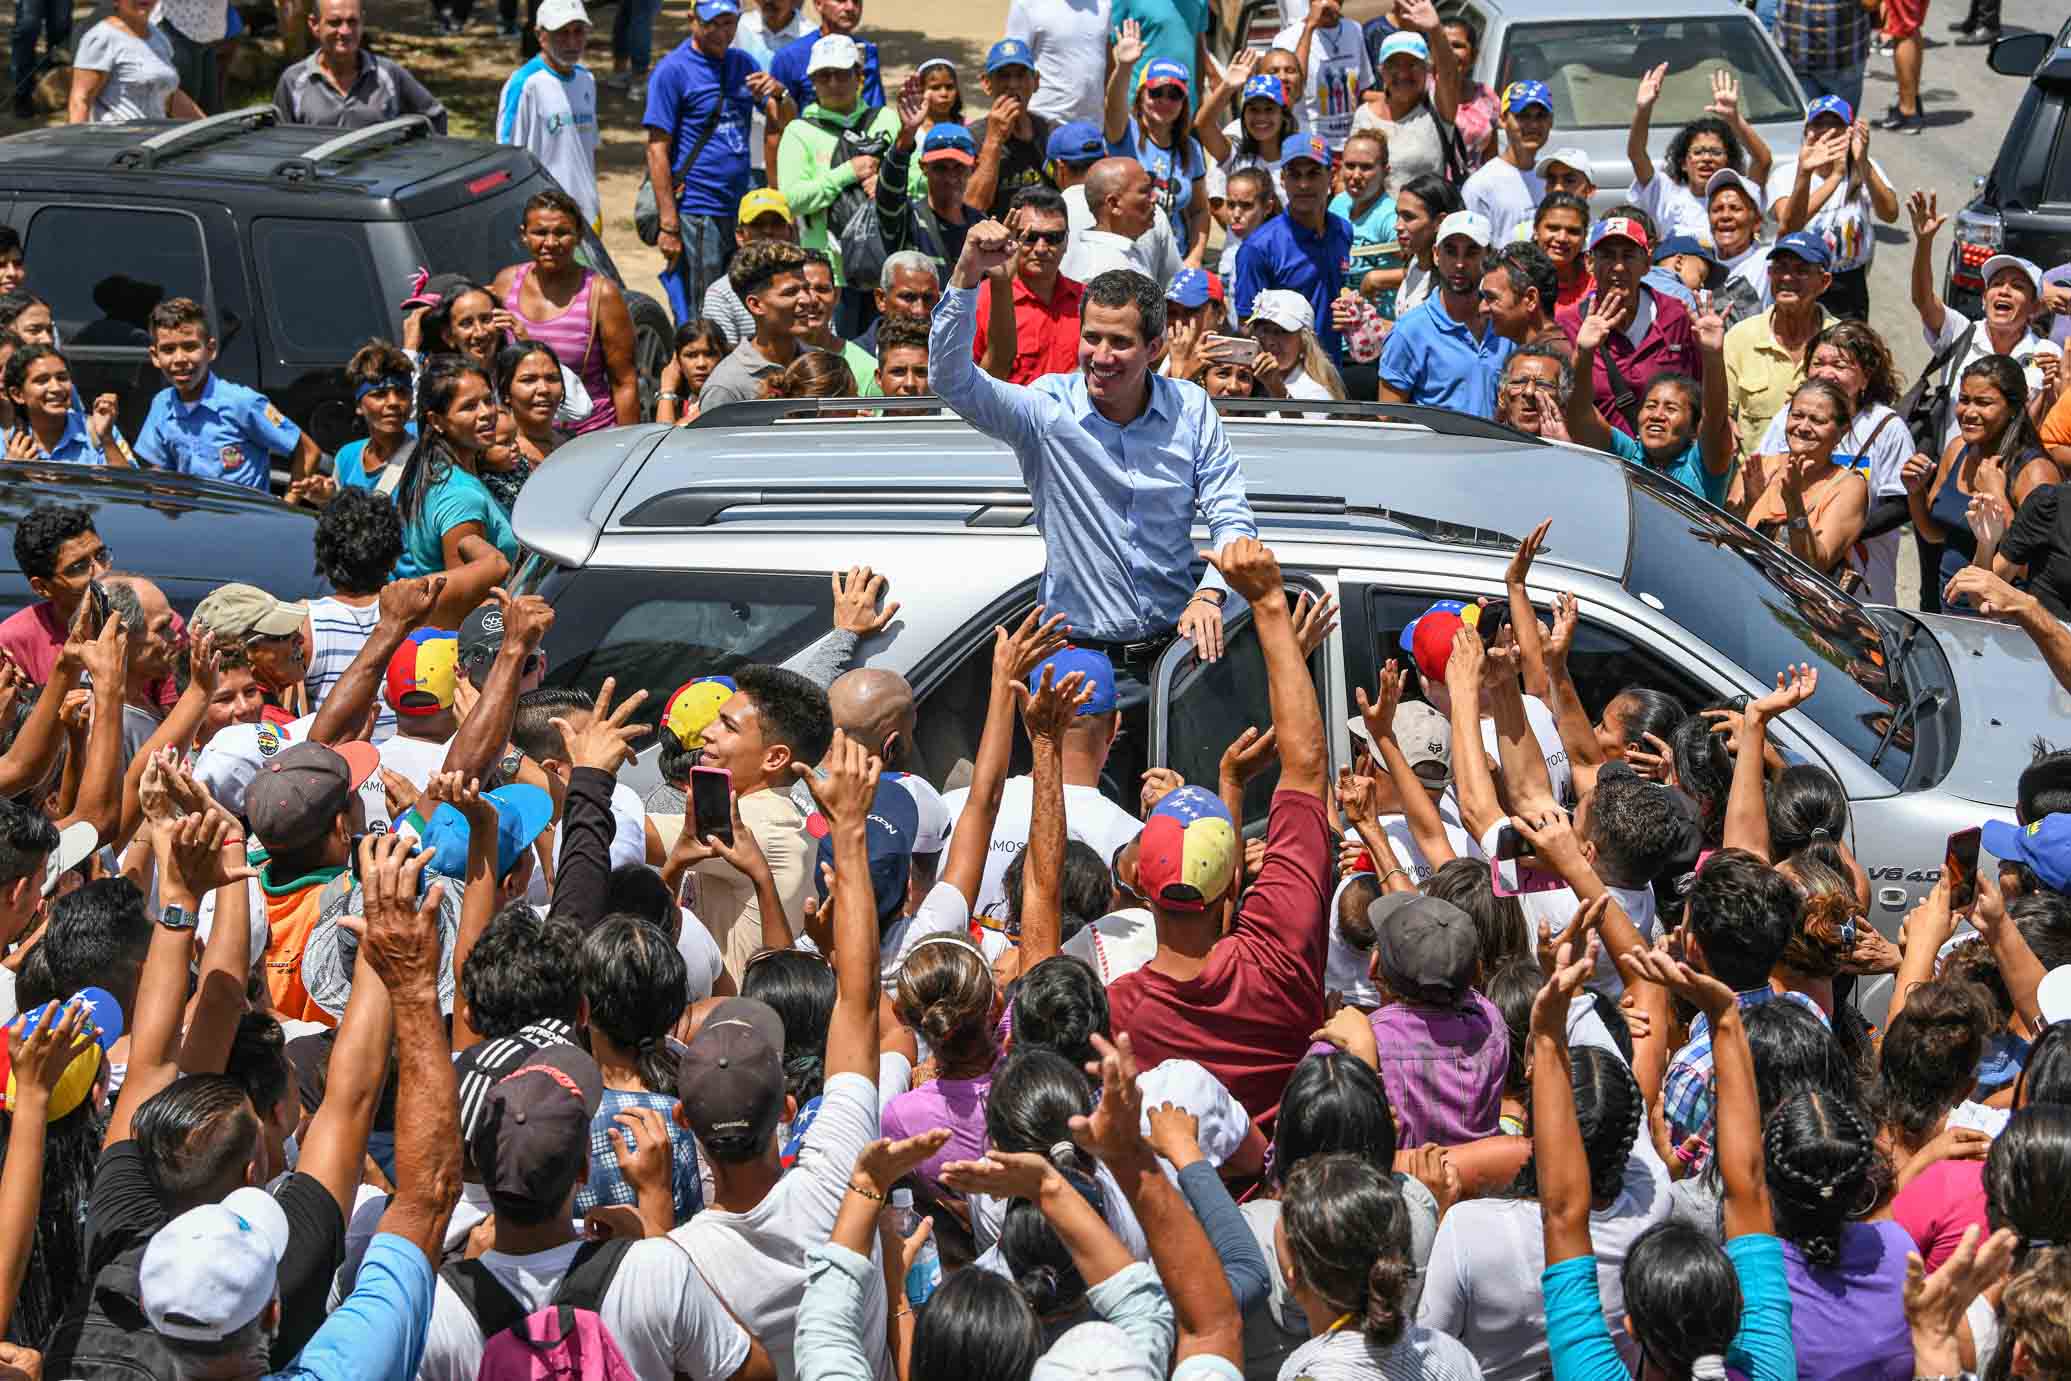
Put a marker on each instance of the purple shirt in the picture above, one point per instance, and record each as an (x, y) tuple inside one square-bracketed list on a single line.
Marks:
[(958, 1104), (1849, 1318), (1443, 1068)]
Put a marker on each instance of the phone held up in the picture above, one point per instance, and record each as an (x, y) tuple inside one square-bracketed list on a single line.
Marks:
[(711, 803)]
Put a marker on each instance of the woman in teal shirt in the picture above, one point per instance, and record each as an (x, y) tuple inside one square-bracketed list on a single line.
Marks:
[(451, 523), (1684, 430), (380, 376)]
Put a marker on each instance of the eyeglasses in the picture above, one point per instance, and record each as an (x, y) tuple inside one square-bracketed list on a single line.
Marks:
[(103, 556)]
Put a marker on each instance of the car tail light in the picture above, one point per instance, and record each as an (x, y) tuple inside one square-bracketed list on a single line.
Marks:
[(498, 178), (1979, 236)]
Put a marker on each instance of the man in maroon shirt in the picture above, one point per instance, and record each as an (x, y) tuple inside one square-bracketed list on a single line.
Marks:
[(1653, 337), (1241, 1004), (56, 547)]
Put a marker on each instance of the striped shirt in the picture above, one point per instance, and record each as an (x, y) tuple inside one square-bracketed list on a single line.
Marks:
[(338, 631)]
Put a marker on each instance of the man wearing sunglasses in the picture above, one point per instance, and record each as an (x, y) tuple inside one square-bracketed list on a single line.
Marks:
[(1034, 330), (56, 547)]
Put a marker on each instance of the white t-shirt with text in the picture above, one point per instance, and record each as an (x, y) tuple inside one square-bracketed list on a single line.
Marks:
[(1089, 817)]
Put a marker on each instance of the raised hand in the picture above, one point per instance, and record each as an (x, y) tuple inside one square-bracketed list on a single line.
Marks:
[(1035, 640), (1463, 670), (883, 1163), (1725, 95), (398, 934), (1175, 1134), (1248, 755), (464, 794), (1421, 15), (1241, 68), (62, 1032), (1603, 316), (195, 853), (1794, 686), (1521, 560), (1158, 783), (1550, 1007), (605, 740), (1924, 209), (1314, 620), (1986, 594), (913, 106), (100, 419), (1127, 43), (1379, 713), (1561, 640), (526, 618), (1114, 1131), (1650, 87), (406, 604), (1356, 797), (849, 785), (106, 657), (856, 598), (1708, 323), (1248, 566), (1049, 709), (1002, 1175), (987, 245), (1700, 990), (646, 1162), (1935, 1304)]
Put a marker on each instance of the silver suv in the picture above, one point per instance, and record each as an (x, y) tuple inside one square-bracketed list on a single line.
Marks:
[(669, 553)]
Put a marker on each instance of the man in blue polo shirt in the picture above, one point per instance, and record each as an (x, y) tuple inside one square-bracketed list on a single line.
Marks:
[(1441, 352), (1304, 249), (792, 64)]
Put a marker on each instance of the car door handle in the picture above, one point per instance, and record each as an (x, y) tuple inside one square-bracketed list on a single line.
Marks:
[(1891, 898)]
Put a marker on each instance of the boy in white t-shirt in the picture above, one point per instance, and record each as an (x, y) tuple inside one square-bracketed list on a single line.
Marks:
[(1507, 189)]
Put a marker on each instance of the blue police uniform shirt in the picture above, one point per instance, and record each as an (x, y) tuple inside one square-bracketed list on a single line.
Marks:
[(229, 433), (75, 447), (1435, 361), (790, 63), (1283, 254)]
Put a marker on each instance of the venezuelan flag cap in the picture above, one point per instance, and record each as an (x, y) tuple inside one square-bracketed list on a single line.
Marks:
[(1189, 850), (422, 674), (694, 706)]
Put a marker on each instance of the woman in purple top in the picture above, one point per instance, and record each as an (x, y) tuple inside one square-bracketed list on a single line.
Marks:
[(946, 993), (1847, 1277)]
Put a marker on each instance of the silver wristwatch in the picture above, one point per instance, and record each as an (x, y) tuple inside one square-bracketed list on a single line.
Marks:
[(178, 918)]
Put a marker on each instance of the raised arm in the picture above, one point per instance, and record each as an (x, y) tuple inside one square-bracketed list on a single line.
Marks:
[(61, 1033), (1714, 421), (1418, 809), (1047, 712), (335, 1150), (1007, 412), (1217, 98), (1995, 599), (106, 660), (176, 731), (1586, 426), (1123, 52), (1480, 808), (1422, 15), (2022, 971), (844, 795), (1725, 103), (1747, 815), (1524, 619), (487, 728), (596, 749), (478, 900), (1014, 656), (1253, 573), (1577, 734), (402, 609), (1557, 1150), (1924, 209), (1636, 136)]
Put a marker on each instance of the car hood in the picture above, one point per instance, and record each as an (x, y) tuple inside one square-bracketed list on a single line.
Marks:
[(2006, 698)]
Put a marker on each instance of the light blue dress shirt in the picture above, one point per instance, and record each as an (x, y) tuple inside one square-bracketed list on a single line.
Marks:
[(75, 447), (229, 433), (1115, 504)]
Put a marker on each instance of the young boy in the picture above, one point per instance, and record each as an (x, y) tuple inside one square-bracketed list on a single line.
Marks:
[(206, 426), (549, 105)]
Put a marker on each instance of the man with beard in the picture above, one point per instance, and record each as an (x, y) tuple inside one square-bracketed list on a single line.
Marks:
[(1653, 333), (1442, 352)]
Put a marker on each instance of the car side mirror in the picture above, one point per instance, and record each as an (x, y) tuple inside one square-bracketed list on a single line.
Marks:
[(2018, 55)]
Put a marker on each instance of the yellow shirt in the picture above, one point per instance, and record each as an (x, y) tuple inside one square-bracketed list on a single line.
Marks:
[(725, 901), (1760, 376)]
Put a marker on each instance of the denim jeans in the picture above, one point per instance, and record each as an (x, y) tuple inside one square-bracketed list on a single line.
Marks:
[(1845, 82), (52, 19), (632, 32), (707, 246)]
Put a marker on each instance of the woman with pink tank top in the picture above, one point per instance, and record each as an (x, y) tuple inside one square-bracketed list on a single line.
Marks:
[(577, 311)]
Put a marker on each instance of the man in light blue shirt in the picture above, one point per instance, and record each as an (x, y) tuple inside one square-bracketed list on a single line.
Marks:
[(1442, 352), (1117, 460)]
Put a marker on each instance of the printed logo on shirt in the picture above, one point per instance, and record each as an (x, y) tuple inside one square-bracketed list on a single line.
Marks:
[(273, 416), (230, 458), (269, 739)]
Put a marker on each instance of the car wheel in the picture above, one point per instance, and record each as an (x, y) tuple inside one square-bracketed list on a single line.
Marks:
[(654, 336)]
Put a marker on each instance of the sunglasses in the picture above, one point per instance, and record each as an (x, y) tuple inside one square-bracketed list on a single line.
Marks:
[(1165, 93), (1044, 237)]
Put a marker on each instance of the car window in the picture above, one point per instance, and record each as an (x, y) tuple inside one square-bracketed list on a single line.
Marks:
[(1593, 68), (325, 301), (481, 238), (654, 630), (103, 268)]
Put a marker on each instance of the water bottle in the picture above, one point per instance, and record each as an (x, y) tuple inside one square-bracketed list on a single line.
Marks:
[(925, 1274)]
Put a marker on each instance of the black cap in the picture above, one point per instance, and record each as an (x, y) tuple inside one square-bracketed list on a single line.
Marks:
[(481, 635), (482, 1065), (532, 1141), (1427, 947), (731, 1079)]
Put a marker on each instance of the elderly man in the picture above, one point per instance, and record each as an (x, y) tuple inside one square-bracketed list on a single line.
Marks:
[(342, 85), (1533, 395), (1123, 198)]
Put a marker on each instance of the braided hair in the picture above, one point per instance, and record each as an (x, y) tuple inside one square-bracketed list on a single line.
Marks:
[(1609, 1107), (1821, 1157)]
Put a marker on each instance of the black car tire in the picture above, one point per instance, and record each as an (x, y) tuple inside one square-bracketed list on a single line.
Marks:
[(654, 338)]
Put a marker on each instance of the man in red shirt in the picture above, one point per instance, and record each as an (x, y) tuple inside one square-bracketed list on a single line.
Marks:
[(1654, 335), (1240, 1004), (1039, 334), (56, 547)]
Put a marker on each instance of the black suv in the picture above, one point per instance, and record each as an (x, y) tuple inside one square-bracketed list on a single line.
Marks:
[(301, 242), (2023, 206)]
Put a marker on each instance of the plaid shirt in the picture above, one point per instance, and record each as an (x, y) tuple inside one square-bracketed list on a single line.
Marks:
[(1823, 35), (1687, 1095), (1443, 1068), (606, 1185)]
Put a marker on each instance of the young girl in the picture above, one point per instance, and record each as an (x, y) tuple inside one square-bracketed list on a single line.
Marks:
[(945, 993), (700, 345), (944, 94), (1284, 328), (1154, 127), (1560, 227), (39, 384), (1719, 138), (451, 522), (1834, 191)]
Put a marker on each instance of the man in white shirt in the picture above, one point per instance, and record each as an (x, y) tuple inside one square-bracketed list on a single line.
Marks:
[(1123, 199), (1507, 189), (549, 105), (1089, 817), (1332, 52), (1073, 150), (1069, 39)]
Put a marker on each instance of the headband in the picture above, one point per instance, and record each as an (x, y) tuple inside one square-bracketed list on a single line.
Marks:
[(383, 384), (955, 941)]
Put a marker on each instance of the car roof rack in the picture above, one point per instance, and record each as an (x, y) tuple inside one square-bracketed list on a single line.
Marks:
[(353, 144), (196, 134), (1443, 421)]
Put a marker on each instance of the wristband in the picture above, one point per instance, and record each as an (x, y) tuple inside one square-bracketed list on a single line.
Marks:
[(1214, 597)]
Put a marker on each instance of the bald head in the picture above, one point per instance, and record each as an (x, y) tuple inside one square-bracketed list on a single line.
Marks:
[(875, 707), (1121, 196), (147, 620)]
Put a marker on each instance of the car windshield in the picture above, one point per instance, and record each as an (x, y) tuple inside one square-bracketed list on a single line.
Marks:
[(1594, 68), (1756, 606), (481, 238)]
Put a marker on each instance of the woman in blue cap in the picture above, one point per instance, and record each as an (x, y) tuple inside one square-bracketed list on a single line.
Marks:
[(1834, 188), (1154, 128)]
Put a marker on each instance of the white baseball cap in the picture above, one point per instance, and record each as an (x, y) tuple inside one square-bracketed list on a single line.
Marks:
[(1095, 1351), (1423, 734), (2053, 995), (931, 835), (210, 1271), (1119, 942), (1726, 177), (2013, 261), (1475, 227), (231, 759), (1285, 308), (1568, 156), (833, 53), (559, 14), (76, 843)]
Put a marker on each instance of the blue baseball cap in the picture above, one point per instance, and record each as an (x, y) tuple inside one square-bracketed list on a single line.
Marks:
[(709, 10), (1403, 43), (1100, 675), (1166, 72), (1189, 289), (952, 142), (889, 832), (1813, 249), (2044, 845), (1265, 86), (1830, 105), (1685, 244), (1079, 141), (521, 813), (1009, 52), (1308, 144), (1518, 95)]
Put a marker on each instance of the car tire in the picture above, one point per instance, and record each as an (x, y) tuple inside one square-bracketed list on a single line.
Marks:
[(654, 338)]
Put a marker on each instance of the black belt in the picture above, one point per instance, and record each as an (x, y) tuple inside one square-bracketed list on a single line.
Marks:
[(1128, 652)]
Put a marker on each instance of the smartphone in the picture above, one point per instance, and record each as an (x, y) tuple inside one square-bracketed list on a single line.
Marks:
[(1230, 349), (711, 803), (98, 597), (1960, 867), (1491, 621), (352, 850), (1510, 844)]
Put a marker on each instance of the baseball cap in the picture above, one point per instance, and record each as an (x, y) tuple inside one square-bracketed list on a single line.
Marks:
[(731, 1076), (1568, 156), (2053, 996), (522, 811), (932, 824), (1813, 249), (532, 1141), (1188, 852), (1285, 308), (1619, 228), (1429, 637), (482, 1064), (1423, 734), (1830, 105), (559, 14), (833, 53), (765, 201), (1099, 672), (481, 635), (1472, 224), (231, 759), (76, 843), (709, 10), (430, 289), (1685, 244), (889, 832), (1426, 947), (952, 143), (1079, 141), (213, 1269), (243, 611), (1726, 177), (1189, 288), (1009, 52), (2043, 845), (1167, 72), (2010, 261), (1117, 943), (103, 1023), (1096, 1351), (302, 790), (1402, 42), (1518, 95), (694, 706), (1307, 144), (1264, 86), (423, 673)]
